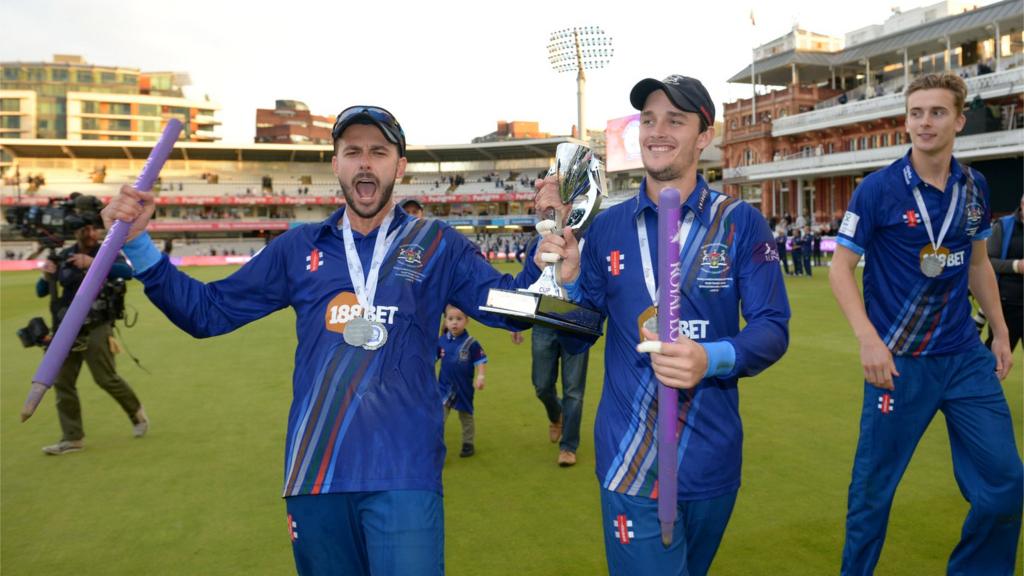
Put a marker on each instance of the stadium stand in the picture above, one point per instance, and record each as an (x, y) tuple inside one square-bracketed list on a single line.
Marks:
[(234, 199)]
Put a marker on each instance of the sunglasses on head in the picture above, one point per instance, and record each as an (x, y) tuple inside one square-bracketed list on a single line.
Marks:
[(379, 115)]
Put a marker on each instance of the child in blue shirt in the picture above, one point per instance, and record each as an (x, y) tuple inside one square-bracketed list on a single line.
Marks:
[(460, 353)]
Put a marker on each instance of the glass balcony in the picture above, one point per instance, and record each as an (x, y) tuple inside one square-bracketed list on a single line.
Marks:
[(987, 145), (889, 105)]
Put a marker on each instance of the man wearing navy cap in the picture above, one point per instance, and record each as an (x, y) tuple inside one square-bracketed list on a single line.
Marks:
[(413, 207), (729, 260), (365, 442)]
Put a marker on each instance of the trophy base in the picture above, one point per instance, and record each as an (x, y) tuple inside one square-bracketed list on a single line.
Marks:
[(542, 309)]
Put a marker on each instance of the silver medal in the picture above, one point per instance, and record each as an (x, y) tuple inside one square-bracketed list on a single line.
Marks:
[(931, 265), (377, 337), (358, 332), (369, 335)]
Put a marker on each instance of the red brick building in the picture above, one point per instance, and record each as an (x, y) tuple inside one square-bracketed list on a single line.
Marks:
[(835, 109), (291, 122)]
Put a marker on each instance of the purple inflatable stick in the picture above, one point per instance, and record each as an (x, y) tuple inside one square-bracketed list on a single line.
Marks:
[(669, 295), (57, 352)]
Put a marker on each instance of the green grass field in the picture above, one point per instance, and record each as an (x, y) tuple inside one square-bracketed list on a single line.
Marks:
[(200, 493)]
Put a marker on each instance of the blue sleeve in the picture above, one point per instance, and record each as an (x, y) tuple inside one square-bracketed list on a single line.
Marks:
[(858, 223), (42, 288), (588, 290), (763, 302), (985, 230), (476, 354), (590, 287), (472, 276), (255, 290)]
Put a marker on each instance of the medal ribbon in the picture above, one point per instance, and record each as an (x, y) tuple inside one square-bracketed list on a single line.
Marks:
[(645, 250), (928, 221), (366, 286)]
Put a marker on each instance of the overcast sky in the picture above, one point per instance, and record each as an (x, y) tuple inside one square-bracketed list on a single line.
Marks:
[(447, 69)]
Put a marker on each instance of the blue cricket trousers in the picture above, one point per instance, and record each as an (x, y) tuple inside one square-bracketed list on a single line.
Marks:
[(985, 461)]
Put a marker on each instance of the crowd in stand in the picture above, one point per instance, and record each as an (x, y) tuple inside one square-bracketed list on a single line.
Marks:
[(225, 212), (893, 84)]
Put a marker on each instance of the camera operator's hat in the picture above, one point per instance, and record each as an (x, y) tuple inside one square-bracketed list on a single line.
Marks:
[(686, 93), (411, 202), (88, 208), (374, 116)]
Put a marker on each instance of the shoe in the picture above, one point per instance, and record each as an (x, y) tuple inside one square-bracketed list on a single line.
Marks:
[(467, 450), (63, 447), (555, 431), (141, 425), (566, 458)]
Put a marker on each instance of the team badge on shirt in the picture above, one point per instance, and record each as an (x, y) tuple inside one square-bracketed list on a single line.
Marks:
[(974, 213), (885, 403), (464, 350), (714, 267), (411, 254), (314, 260), (715, 259), (615, 264), (623, 528), (409, 262)]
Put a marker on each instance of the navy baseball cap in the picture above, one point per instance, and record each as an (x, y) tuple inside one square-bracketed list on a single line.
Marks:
[(411, 202), (374, 116), (686, 93)]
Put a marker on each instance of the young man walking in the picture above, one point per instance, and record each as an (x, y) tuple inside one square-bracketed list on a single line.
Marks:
[(919, 349)]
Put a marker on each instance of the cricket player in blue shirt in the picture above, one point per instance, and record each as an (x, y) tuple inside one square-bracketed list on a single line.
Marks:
[(365, 442), (921, 225), (730, 263)]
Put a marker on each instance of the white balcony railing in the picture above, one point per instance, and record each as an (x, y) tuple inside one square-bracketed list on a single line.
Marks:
[(989, 144), (987, 86)]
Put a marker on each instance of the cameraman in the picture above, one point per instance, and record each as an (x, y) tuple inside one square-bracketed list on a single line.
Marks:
[(95, 342)]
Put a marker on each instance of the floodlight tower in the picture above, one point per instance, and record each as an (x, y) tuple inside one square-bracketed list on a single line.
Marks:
[(577, 49)]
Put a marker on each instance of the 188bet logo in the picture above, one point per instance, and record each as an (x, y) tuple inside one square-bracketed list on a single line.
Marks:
[(345, 306)]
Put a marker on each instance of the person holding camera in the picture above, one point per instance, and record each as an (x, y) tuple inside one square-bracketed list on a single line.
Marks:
[(95, 343)]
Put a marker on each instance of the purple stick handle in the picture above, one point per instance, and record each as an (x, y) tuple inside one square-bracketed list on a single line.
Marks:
[(57, 352), (669, 296)]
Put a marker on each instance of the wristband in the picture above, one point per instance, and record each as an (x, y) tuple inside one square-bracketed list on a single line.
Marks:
[(142, 253)]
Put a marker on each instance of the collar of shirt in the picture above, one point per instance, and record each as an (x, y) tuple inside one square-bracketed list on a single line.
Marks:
[(912, 180), (697, 202), (332, 225)]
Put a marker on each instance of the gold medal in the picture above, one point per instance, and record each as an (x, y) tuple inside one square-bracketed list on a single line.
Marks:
[(647, 319)]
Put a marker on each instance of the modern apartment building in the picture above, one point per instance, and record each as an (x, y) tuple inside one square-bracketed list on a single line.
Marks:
[(69, 98)]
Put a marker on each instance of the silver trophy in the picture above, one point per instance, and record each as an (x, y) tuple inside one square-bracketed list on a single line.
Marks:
[(581, 187)]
